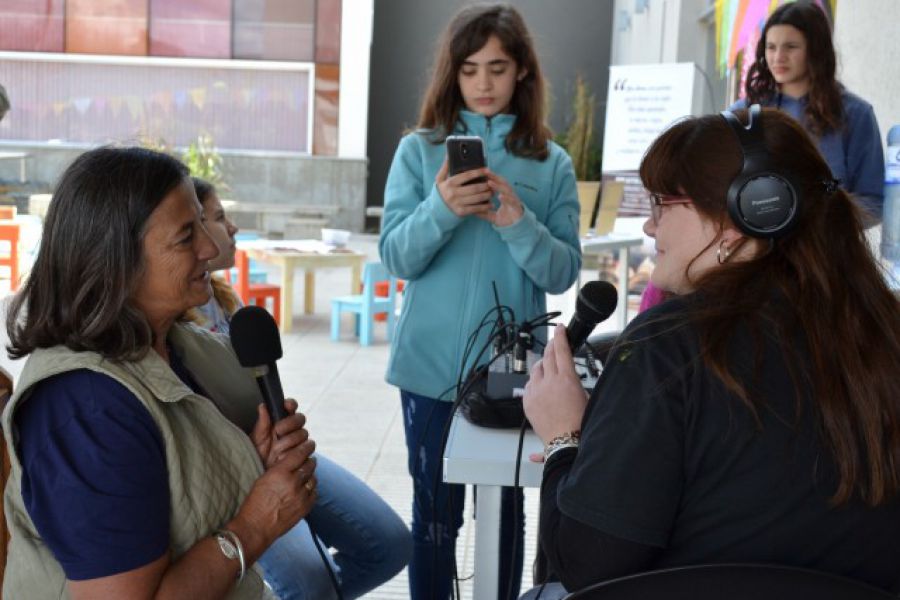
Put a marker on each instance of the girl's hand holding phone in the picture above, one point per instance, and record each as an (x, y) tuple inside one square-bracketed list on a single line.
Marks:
[(510, 210), (462, 199)]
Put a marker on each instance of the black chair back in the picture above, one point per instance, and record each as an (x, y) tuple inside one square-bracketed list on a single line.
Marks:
[(732, 582)]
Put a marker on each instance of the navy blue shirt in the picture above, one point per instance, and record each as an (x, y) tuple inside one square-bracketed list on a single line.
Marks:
[(94, 478), (854, 154)]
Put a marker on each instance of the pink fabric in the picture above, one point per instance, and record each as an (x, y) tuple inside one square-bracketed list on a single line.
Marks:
[(651, 297)]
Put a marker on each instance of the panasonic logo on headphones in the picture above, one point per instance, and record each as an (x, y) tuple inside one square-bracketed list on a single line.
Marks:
[(765, 201)]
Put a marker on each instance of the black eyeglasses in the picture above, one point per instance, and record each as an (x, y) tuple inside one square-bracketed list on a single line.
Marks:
[(657, 201)]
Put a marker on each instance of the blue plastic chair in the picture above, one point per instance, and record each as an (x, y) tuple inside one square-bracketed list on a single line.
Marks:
[(366, 305)]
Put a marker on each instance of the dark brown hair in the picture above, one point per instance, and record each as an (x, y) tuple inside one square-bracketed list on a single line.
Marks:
[(467, 33), (824, 110), (834, 297), (79, 293)]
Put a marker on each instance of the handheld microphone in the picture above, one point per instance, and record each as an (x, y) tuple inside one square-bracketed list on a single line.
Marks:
[(257, 343), (596, 301)]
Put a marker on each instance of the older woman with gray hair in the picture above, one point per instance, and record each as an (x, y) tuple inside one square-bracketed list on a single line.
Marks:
[(143, 463)]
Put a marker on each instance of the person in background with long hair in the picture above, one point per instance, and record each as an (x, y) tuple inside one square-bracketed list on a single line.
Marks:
[(371, 542), (444, 236), (794, 71), (753, 418)]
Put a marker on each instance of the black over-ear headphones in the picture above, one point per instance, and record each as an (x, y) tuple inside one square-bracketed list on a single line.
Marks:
[(763, 202)]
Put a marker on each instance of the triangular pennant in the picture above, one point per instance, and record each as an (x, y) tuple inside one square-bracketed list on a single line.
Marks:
[(135, 106), (198, 97), (164, 99), (116, 104), (81, 104), (249, 95)]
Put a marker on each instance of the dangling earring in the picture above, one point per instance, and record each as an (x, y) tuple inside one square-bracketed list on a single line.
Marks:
[(723, 256)]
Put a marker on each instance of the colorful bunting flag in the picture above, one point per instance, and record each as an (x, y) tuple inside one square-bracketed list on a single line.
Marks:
[(116, 103), (198, 97), (81, 104)]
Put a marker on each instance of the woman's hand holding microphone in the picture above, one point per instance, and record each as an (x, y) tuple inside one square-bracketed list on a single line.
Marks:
[(286, 492)]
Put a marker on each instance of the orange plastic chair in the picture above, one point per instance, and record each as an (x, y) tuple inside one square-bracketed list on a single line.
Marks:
[(9, 233), (381, 291), (255, 293)]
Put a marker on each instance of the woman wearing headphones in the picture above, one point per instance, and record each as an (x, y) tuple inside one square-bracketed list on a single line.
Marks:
[(748, 419)]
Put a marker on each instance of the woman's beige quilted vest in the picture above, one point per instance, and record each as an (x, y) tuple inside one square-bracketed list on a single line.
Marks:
[(211, 461)]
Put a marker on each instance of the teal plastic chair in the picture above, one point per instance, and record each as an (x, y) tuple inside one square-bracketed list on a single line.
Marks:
[(257, 273), (366, 305)]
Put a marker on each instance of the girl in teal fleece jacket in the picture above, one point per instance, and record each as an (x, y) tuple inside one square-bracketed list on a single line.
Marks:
[(451, 241)]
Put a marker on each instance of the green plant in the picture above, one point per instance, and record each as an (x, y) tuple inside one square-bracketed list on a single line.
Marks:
[(155, 143), (579, 139), (204, 160)]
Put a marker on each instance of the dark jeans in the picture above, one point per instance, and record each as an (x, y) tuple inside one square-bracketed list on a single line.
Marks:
[(437, 519)]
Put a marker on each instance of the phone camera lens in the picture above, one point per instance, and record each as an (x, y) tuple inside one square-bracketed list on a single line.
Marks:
[(464, 150)]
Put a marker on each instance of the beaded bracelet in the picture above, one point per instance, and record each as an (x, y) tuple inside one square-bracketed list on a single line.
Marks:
[(566, 440)]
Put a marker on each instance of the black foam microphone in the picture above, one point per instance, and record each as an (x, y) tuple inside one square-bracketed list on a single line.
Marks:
[(596, 301), (257, 343)]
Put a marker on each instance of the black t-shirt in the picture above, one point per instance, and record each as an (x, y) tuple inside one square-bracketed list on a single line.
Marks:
[(671, 459)]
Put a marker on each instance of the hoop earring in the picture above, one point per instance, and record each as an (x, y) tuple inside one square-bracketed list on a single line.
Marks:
[(722, 257)]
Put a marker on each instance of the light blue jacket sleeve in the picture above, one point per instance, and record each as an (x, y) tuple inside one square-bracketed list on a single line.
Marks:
[(416, 223), (550, 254)]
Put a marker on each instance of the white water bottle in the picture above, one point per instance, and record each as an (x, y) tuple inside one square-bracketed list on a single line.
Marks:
[(890, 230)]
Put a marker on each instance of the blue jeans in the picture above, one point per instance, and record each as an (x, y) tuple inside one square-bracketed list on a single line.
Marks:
[(435, 524), (371, 541)]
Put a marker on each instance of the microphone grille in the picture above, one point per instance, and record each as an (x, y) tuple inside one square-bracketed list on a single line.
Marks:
[(255, 337), (596, 301)]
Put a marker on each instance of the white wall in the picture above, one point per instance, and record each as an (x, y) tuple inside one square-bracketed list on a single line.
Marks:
[(356, 49), (668, 31), (867, 39), (650, 36)]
